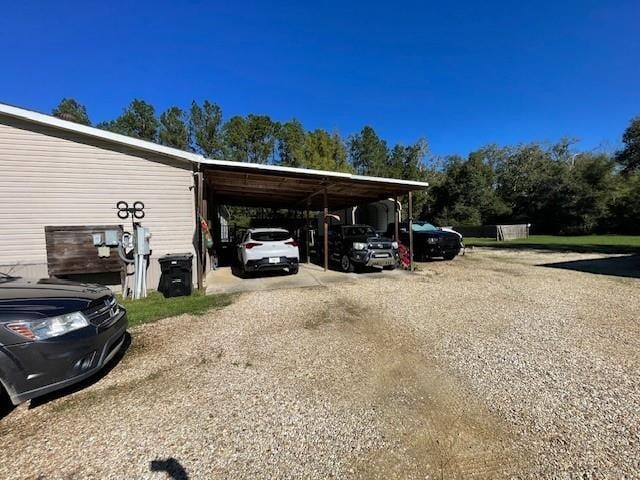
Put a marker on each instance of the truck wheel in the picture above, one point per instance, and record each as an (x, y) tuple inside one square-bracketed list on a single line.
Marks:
[(346, 264), (389, 267)]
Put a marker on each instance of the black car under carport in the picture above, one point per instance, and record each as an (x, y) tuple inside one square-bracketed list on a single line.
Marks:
[(54, 333), (429, 241)]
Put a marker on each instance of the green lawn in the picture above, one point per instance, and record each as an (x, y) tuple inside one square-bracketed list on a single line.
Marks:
[(582, 243), (155, 306)]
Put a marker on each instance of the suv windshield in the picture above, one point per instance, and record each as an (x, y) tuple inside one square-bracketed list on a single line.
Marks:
[(423, 227), (360, 230), (270, 236)]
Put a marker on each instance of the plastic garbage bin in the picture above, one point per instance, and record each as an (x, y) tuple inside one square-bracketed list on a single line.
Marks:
[(176, 279)]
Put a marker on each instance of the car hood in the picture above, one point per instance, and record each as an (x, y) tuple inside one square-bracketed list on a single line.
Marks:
[(436, 234), (22, 300)]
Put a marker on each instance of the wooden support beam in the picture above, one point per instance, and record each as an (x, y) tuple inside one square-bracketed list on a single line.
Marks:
[(410, 231), (308, 234), (396, 219), (325, 224)]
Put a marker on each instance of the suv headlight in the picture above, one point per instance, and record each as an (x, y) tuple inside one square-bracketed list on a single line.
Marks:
[(394, 244), (359, 246), (49, 327), (432, 240)]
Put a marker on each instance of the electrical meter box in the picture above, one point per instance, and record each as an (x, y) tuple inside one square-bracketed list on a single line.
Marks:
[(111, 238), (142, 241), (98, 239)]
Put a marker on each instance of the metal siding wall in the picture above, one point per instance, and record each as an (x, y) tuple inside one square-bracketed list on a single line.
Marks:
[(50, 180)]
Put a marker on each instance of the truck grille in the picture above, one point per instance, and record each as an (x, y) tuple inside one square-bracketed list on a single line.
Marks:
[(449, 242), (379, 246), (102, 311)]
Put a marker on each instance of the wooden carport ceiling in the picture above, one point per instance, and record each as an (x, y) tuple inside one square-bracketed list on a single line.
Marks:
[(297, 188)]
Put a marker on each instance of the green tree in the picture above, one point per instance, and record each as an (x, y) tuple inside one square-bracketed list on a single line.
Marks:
[(395, 161), (291, 138), (624, 206), (534, 183), (173, 129), (250, 139), (324, 151), (70, 109), (467, 194), (234, 133), (205, 129), (629, 156), (590, 186), (368, 153), (138, 120), (261, 138)]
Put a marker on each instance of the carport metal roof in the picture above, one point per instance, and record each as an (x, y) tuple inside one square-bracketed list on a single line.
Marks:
[(249, 184)]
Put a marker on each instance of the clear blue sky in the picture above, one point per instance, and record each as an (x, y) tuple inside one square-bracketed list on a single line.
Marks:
[(462, 74)]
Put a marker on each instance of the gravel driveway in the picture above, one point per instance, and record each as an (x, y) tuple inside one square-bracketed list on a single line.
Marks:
[(489, 366)]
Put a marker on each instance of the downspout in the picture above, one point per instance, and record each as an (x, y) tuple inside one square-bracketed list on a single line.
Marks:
[(353, 215)]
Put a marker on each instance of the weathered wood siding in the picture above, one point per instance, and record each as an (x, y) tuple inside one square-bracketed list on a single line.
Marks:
[(70, 250), (48, 177)]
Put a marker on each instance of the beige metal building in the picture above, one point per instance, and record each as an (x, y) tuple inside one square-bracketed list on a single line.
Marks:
[(56, 173)]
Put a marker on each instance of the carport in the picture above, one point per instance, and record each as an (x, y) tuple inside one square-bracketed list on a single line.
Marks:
[(255, 185)]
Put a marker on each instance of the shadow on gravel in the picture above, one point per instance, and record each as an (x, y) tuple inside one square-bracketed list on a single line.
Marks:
[(552, 247), (39, 401), (171, 467), (626, 266)]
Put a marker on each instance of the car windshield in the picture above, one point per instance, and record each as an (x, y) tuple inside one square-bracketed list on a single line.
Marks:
[(270, 236), (360, 230), (423, 227)]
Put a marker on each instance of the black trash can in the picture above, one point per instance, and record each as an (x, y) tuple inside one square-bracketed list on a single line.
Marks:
[(176, 279)]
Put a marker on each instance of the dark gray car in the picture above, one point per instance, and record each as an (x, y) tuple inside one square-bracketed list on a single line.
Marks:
[(54, 333)]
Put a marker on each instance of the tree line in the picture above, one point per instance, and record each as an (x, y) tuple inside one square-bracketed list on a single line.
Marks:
[(551, 186)]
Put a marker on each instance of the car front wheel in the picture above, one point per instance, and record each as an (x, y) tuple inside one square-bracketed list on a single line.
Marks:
[(346, 264)]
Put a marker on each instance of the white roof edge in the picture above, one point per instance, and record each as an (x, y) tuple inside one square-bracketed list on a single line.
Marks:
[(51, 121), (308, 171), (94, 132)]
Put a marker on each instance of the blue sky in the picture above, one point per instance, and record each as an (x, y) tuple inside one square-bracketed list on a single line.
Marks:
[(462, 74)]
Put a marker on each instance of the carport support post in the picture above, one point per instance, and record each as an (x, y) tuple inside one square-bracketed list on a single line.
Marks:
[(410, 231), (395, 219), (307, 234), (325, 226)]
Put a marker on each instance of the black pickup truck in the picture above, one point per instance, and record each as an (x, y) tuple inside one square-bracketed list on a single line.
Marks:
[(429, 241), (358, 246)]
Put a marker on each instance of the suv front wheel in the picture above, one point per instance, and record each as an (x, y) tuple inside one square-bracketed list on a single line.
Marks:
[(346, 264)]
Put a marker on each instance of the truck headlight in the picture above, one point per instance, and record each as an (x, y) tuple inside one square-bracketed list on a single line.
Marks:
[(432, 240), (49, 327), (394, 244), (359, 246)]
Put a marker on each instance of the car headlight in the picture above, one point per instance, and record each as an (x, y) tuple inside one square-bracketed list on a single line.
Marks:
[(394, 244), (49, 327), (359, 246), (432, 240)]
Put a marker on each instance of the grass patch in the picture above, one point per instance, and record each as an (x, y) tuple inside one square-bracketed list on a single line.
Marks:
[(581, 243), (156, 307)]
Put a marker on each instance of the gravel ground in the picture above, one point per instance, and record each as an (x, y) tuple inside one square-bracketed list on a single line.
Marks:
[(489, 366)]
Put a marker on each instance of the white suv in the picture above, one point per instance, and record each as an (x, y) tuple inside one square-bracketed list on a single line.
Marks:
[(264, 249)]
